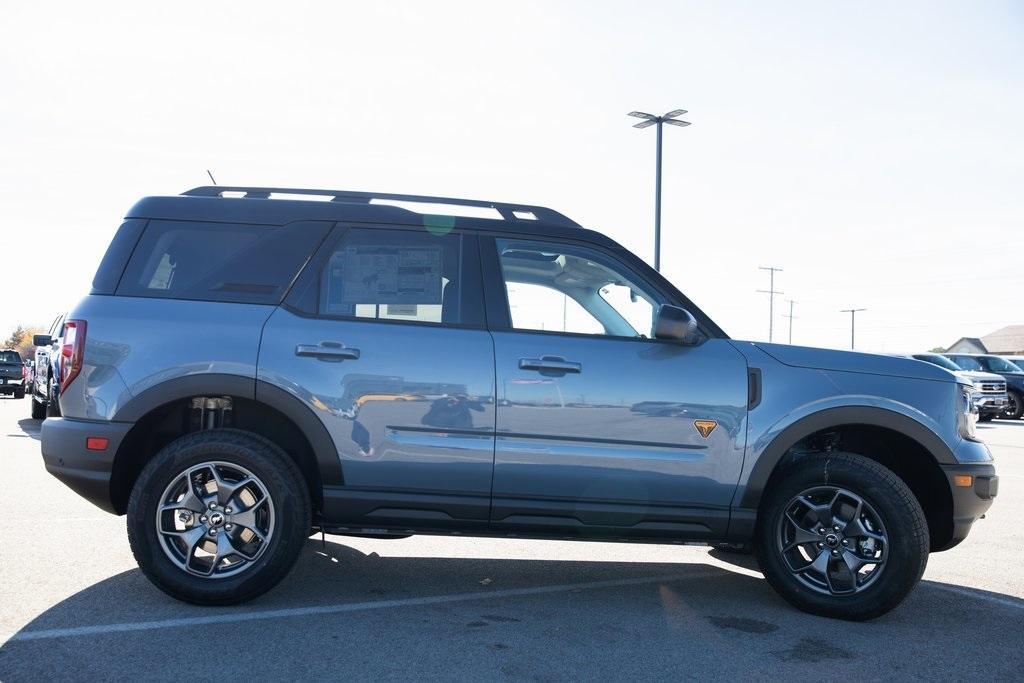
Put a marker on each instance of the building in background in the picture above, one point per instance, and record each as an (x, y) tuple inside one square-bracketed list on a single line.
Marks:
[(1008, 341)]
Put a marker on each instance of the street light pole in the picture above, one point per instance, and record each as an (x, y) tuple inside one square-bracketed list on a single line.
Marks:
[(652, 120), (853, 323), (657, 204)]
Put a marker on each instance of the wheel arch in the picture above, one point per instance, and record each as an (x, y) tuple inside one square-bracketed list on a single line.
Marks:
[(160, 415), (907, 447)]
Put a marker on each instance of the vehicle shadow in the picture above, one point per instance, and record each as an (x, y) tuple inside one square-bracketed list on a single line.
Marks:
[(30, 427), (340, 604)]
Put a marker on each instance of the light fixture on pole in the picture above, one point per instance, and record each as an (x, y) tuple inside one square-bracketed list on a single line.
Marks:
[(652, 120)]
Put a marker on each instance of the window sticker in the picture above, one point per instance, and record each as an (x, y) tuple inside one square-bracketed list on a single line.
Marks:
[(374, 274)]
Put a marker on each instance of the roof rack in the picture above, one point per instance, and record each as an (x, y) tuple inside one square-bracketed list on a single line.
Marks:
[(509, 212)]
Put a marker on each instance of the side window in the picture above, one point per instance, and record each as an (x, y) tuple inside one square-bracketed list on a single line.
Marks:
[(568, 288), (219, 261), (383, 274)]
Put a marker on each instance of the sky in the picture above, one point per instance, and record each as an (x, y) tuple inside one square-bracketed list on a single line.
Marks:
[(873, 151)]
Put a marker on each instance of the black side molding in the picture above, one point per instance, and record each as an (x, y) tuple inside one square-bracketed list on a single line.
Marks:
[(753, 388)]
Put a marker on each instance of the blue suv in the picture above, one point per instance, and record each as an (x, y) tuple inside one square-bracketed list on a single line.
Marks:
[(252, 366)]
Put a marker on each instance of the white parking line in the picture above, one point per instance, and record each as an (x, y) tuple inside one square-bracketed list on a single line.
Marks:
[(235, 617)]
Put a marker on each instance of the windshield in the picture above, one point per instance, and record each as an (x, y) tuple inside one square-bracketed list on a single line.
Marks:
[(968, 363), (997, 364), (936, 359), (9, 357)]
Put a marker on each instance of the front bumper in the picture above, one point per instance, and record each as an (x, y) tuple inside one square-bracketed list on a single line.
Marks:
[(994, 403), (970, 503), (85, 471)]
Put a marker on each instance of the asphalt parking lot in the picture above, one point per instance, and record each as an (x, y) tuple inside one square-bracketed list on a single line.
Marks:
[(74, 606)]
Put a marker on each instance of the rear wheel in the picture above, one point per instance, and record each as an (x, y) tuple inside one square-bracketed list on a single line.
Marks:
[(38, 409), (19, 393), (218, 517), (841, 536), (1014, 406)]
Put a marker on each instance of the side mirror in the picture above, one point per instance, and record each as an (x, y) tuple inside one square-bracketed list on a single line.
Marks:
[(41, 340), (677, 324)]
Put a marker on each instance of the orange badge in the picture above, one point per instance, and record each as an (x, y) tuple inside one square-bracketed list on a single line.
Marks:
[(705, 427)]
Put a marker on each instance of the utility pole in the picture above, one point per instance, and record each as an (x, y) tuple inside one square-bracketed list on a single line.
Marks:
[(790, 316), (853, 322), (651, 120), (771, 292)]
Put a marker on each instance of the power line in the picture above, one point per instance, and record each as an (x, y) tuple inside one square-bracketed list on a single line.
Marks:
[(771, 292), (853, 322), (790, 316)]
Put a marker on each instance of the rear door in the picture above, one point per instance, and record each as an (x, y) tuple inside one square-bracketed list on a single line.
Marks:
[(383, 338)]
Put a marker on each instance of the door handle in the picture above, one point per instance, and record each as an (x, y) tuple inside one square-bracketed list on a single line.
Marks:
[(550, 364), (327, 351)]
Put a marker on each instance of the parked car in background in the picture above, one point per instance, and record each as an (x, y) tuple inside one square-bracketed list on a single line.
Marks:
[(248, 368), (1009, 371), (12, 371), (45, 386), (989, 395)]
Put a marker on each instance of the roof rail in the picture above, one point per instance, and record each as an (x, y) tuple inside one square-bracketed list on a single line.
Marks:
[(508, 212)]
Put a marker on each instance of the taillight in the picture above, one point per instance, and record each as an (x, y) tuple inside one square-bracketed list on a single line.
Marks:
[(71, 352)]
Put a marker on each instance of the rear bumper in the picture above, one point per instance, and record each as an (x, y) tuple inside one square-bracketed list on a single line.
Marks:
[(970, 503), (10, 385), (86, 472)]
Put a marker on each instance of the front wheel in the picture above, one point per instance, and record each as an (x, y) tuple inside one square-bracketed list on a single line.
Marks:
[(218, 517), (841, 536), (1014, 407)]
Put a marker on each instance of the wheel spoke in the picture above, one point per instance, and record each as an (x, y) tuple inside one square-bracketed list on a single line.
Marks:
[(225, 489), (193, 537), (247, 518), (189, 502), (819, 565), (800, 534), (822, 512)]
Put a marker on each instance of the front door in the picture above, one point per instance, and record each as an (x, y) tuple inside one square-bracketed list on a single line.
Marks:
[(599, 426), (384, 341)]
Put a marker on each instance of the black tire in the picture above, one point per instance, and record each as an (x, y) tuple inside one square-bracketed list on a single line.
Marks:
[(898, 510), (38, 409), (291, 520), (52, 403), (1015, 408), (985, 417), (19, 393)]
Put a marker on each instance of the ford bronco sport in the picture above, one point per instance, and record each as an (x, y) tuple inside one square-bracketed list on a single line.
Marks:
[(251, 367)]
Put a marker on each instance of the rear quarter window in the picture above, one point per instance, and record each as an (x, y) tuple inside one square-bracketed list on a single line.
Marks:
[(229, 262)]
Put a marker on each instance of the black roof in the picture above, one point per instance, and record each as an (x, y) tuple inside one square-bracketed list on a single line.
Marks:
[(258, 205)]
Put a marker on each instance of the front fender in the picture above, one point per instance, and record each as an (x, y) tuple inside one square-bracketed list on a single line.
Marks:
[(773, 444)]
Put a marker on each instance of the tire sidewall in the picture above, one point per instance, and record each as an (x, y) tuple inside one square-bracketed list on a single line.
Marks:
[(266, 462), (900, 515)]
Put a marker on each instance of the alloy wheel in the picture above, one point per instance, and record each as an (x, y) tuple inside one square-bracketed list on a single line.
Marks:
[(215, 519), (832, 540)]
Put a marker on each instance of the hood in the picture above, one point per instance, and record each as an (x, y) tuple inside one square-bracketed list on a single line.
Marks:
[(854, 361), (972, 375)]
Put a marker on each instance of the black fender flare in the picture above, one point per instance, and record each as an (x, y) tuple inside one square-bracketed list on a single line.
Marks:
[(222, 384), (838, 417)]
